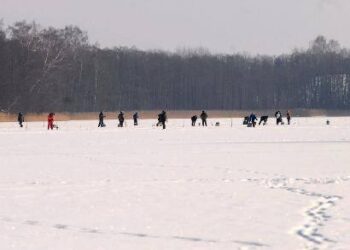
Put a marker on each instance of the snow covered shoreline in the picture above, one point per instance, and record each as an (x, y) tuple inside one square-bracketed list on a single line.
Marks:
[(227, 187)]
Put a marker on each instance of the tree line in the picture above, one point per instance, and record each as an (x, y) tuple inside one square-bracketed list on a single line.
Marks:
[(58, 69)]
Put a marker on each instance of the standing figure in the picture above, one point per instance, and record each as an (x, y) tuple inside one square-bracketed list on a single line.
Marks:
[(162, 118), (204, 117), (101, 123), (278, 116), (194, 119), (20, 119), (288, 117), (121, 119), (50, 120), (135, 116), (252, 119)]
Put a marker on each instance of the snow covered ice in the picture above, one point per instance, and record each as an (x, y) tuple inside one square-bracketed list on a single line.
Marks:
[(83, 187)]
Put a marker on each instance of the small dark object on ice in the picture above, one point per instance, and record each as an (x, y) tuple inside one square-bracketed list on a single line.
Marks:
[(217, 124), (246, 120)]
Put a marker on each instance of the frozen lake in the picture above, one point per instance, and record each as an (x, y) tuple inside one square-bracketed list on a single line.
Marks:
[(227, 187)]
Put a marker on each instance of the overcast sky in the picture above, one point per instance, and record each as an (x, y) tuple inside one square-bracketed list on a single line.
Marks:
[(222, 26)]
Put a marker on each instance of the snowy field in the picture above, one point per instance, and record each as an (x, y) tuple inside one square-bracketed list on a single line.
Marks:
[(227, 187)]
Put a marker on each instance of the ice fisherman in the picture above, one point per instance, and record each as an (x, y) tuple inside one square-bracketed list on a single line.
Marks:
[(135, 116), (162, 118), (288, 117), (101, 117), (263, 119), (252, 119), (50, 121), (20, 119), (204, 117), (194, 119), (278, 116), (121, 119)]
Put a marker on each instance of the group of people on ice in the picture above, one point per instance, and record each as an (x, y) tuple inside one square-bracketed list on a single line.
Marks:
[(203, 116), (251, 120), (162, 119), (121, 119), (279, 117), (50, 120)]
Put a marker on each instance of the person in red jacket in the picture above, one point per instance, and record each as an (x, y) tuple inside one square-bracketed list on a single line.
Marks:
[(50, 120)]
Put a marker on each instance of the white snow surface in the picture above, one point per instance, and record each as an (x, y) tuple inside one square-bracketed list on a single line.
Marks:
[(226, 187)]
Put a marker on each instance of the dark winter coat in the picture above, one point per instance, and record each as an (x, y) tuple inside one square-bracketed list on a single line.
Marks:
[(121, 117), (162, 117), (204, 115), (288, 115), (252, 118), (20, 117)]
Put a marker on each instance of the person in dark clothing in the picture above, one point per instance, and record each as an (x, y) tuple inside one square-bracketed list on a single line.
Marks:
[(278, 116), (194, 119), (252, 119), (101, 123), (288, 117), (263, 119), (20, 119), (121, 119), (204, 117), (135, 116), (162, 118)]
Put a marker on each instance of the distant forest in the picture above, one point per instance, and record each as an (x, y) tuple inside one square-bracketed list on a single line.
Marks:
[(51, 69)]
